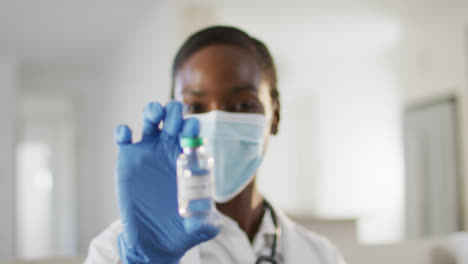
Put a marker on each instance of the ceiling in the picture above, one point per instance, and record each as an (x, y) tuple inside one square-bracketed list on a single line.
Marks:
[(64, 30)]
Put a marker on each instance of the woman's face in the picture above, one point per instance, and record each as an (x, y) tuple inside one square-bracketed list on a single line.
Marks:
[(227, 78)]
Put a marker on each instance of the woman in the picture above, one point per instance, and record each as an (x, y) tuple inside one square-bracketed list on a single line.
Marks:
[(227, 81)]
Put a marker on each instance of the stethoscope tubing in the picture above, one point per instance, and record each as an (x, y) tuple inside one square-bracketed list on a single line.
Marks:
[(271, 259)]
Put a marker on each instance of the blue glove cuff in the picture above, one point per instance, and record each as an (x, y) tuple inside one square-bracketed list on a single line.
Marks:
[(131, 256)]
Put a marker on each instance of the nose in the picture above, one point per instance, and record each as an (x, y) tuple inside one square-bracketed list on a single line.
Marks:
[(217, 105)]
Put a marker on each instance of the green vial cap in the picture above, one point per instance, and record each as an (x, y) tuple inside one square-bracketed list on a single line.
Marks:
[(191, 142)]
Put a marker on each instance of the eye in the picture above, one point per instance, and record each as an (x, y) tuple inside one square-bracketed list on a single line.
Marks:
[(245, 107), (195, 108)]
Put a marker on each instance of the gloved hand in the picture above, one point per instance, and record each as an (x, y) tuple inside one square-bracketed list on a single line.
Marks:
[(153, 231)]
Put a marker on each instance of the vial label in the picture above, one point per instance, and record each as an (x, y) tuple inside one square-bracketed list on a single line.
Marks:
[(195, 187)]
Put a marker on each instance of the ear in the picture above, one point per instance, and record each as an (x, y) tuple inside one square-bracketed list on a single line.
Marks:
[(276, 117)]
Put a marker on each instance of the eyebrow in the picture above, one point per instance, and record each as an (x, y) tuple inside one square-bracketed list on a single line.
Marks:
[(241, 88), (235, 90), (193, 92)]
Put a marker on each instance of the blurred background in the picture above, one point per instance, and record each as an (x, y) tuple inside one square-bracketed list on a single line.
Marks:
[(371, 144)]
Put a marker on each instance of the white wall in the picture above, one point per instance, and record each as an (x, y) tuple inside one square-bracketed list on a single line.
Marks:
[(433, 64), (8, 84)]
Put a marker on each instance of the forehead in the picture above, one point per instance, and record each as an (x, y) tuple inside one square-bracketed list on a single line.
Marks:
[(218, 67)]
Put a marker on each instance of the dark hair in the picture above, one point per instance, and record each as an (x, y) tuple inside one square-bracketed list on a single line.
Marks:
[(233, 36)]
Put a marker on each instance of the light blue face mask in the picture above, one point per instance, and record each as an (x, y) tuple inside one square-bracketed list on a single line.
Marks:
[(236, 142)]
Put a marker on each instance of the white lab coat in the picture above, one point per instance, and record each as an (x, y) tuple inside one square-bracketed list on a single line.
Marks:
[(296, 245)]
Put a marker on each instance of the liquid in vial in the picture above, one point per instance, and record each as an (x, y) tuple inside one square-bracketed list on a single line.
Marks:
[(195, 183)]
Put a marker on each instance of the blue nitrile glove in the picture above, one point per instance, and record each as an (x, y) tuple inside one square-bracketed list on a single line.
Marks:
[(153, 231)]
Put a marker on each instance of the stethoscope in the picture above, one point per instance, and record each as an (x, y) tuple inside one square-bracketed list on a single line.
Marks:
[(271, 259)]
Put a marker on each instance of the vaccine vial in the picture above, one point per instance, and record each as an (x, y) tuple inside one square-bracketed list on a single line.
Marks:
[(195, 185)]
